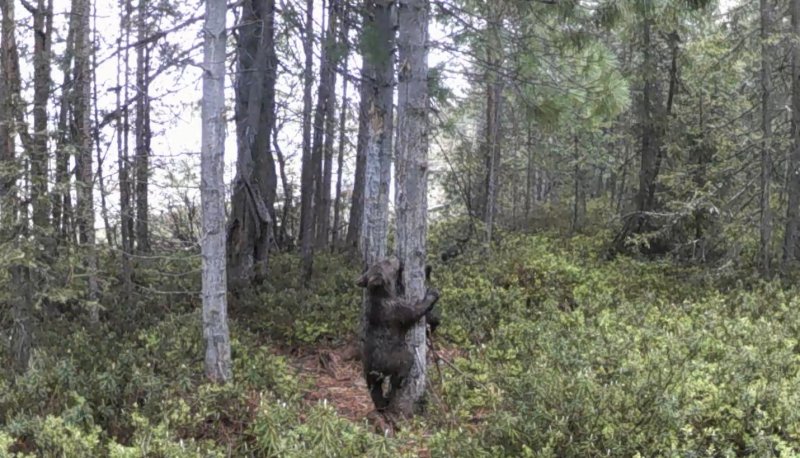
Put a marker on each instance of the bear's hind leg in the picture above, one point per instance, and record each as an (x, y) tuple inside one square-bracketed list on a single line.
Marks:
[(375, 385)]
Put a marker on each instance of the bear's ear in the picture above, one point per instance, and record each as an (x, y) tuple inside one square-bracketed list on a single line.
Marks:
[(428, 270), (362, 281)]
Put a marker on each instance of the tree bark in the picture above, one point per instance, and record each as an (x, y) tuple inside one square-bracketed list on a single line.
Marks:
[(42, 31), (765, 224), (793, 180), (142, 131), (321, 155), (579, 204), (82, 115), (218, 366), (10, 88), (307, 173), (62, 201), (356, 219), (284, 237), (650, 137), (494, 96), (703, 154), (342, 131), (332, 59), (493, 107), (530, 173), (378, 76), (9, 96), (649, 151), (411, 185), (109, 230), (250, 227), (123, 164)]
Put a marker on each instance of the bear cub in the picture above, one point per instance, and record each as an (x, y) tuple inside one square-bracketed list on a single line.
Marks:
[(387, 361)]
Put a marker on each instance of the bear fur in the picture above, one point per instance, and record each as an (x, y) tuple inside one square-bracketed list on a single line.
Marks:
[(386, 358)]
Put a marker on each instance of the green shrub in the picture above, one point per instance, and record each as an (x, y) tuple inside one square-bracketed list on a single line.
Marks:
[(558, 353)]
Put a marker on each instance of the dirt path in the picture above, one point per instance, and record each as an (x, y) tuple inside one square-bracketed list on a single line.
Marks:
[(336, 375)]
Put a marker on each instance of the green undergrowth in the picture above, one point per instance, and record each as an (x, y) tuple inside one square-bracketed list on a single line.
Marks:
[(558, 353)]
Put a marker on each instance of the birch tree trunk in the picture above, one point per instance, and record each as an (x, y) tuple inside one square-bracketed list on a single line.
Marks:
[(411, 182), (218, 365)]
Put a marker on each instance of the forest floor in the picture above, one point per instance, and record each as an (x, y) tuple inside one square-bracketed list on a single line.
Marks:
[(337, 377), (650, 359)]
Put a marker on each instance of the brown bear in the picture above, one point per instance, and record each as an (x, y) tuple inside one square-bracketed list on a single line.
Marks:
[(386, 357)]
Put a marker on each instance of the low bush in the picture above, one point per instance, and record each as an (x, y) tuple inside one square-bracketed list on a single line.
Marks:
[(549, 351)]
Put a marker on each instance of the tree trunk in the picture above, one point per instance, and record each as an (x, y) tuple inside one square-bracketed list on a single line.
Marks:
[(377, 99), (218, 364), (703, 153), (307, 173), (42, 32), (331, 56), (142, 131), (82, 136), (337, 203), (412, 185), (649, 151), (493, 109), (650, 137), (356, 219), (623, 185), (378, 75), (579, 204), (250, 228), (123, 164), (61, 191), (109, 230), (793, 180), (321, 155), (765, 224), (530, 173), (9, 95), (10, 86), (284, 237)]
